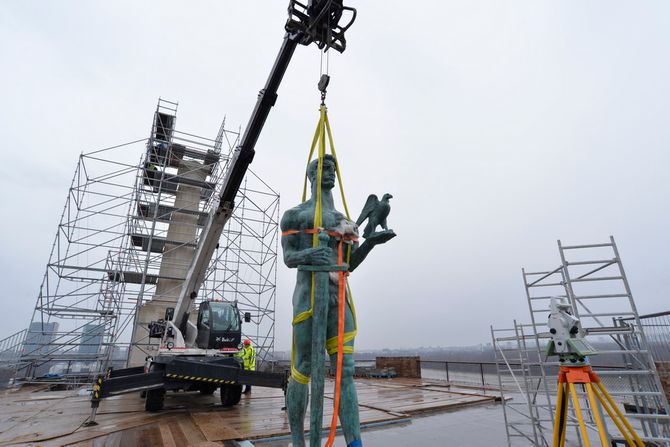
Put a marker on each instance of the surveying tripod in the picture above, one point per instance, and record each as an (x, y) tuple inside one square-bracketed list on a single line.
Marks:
[(567, 341)]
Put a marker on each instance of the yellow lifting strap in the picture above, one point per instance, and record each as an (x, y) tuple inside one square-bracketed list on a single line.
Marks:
[(323, 125), (322, 131), (322, 128), (319, 140)]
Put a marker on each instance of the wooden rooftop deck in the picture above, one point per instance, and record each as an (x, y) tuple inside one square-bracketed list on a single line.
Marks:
[(37, 417)]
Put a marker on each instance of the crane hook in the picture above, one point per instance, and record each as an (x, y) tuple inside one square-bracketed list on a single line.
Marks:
[(323, 85)]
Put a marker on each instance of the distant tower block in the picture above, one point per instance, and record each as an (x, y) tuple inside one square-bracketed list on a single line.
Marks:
[(178, 246)]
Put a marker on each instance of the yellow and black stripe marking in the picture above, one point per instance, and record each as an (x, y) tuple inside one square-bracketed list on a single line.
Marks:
[(199, 379)]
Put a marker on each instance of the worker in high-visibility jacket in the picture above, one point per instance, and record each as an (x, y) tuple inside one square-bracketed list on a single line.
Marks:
[(248, 355)]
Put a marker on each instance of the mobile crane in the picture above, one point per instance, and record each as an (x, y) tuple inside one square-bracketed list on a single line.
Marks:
[(198, 356)]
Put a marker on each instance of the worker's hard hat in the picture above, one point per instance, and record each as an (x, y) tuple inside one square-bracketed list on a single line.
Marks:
[(247, 342)]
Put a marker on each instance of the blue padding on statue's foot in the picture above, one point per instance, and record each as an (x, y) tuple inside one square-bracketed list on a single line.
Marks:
[(355, 443)]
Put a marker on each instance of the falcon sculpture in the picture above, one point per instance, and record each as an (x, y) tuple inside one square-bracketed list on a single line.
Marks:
[(375, 211)]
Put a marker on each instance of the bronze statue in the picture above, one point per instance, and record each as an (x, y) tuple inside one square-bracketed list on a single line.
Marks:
[(321, 262)]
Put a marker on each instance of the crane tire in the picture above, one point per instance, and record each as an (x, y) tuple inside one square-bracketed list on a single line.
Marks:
[(230, 395), (154, 400)]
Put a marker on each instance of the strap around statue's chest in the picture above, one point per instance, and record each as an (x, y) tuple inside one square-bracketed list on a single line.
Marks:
[(335, 234)]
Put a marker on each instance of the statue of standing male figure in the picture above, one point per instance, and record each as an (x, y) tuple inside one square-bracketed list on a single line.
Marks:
[(299, 251)]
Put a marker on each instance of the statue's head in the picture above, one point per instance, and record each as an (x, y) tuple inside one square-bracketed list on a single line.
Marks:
[(328, 174), (386, 197)]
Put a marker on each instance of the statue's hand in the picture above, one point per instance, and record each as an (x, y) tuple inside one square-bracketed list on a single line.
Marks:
[(380, 237), (318, 256)]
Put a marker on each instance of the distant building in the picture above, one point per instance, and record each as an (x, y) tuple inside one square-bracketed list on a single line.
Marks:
[(91, 338), (38, 339), (38, 344), (119, 357)]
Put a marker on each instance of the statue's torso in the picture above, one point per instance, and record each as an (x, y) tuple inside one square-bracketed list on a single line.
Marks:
[(302, 218)]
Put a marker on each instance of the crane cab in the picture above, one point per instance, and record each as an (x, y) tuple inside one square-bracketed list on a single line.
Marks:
[(219, 326)]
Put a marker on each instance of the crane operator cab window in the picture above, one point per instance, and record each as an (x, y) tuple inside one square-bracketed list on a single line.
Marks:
[(225, 317), (218, 325), (204, 318)]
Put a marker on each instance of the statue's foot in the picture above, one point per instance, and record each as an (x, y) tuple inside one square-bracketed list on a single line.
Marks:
[(355, 443)]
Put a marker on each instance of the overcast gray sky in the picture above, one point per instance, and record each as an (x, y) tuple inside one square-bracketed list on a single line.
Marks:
[(498, 126)]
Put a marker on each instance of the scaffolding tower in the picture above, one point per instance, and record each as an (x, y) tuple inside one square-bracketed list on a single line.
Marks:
[(592, 279), (132, 219), (517, 370)]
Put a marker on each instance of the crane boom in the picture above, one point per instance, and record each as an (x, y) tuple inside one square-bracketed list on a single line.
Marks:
[(317, 22)]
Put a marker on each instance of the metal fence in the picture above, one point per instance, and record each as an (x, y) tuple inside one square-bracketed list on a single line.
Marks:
[(459, 372), (657, 330), (480, 374)]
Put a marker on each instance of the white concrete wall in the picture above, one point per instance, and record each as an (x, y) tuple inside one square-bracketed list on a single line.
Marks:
[(175, 262)]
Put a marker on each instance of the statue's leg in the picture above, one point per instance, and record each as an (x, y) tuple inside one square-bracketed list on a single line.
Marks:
[(297, 394), (348, 399), (348, 411)]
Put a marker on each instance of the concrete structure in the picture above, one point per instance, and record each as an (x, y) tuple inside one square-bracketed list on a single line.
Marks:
[(404, 366), (178, 252)]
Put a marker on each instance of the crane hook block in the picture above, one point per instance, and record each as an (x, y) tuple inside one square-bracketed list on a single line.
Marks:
[(323, 83)]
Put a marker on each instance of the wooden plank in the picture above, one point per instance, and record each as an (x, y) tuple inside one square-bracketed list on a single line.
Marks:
[(40, 426), (167, 440), (434, 406), (455, 391), (190, 431), (108, 426), (215, 427)]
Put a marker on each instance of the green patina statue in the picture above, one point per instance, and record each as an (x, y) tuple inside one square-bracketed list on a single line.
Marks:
[(309, 341)]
